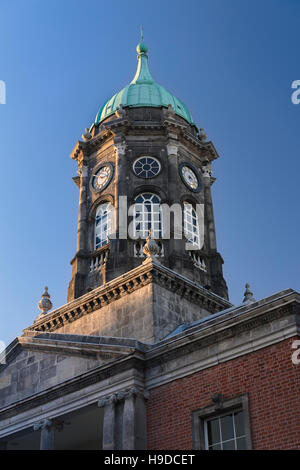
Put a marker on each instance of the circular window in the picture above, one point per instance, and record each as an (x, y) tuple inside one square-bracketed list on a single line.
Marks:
[(146, 167)]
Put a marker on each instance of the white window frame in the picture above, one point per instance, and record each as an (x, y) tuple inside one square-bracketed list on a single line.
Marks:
[(104, 212), (191, 224), (198, 418), (148, 172), (219, 417), (147, 219)]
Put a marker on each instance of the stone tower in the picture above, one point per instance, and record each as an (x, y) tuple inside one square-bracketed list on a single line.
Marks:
[(143, 154)]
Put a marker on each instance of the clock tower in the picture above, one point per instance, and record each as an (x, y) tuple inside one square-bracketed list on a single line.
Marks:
[(144, 170)]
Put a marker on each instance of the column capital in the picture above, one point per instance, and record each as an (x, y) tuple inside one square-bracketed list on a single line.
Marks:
[(206, 171), (48, 424), (114, 398), (120, 147), (108, 400), (135, 392), (172, 148)]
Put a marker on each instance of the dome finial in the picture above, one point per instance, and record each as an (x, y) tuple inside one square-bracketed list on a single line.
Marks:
[(141, 48)]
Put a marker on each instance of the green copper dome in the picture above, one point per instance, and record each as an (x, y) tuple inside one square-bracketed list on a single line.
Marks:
[(143, 91)]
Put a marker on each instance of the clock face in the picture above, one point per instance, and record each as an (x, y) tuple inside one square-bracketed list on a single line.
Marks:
[(102, 177), (190, 177)]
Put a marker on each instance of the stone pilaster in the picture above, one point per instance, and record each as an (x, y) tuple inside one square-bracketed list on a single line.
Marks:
[(134, 420), (210, 223), (124, 423), (218, 284), (109, 421), (82, 214)]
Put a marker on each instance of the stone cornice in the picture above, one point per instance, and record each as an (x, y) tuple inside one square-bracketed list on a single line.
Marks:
[(227, 324), (228, 336), (63, 346), (196, 143), (73, 345), (207, 146), (137, 278), (277, 317), (98, 374), (84, 149)]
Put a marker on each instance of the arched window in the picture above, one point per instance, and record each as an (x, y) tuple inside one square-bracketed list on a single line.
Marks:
[(103, 224), (147, 216), (191, 225)]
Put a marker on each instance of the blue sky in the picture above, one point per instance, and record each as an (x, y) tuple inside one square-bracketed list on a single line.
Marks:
[(231, 62)]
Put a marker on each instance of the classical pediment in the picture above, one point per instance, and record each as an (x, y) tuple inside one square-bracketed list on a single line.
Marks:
[(37, 362)]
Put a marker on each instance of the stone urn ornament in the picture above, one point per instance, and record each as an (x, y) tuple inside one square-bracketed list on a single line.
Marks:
[(44, 304)]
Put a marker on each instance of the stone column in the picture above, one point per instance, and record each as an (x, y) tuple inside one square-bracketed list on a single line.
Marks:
[(109, 421), (47, 428), (82, 213), (206, 173), (172, 155), (176, 245), (134, 420), (120, 153)]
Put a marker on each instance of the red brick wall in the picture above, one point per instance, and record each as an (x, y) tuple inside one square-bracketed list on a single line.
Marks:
[(271, 380)]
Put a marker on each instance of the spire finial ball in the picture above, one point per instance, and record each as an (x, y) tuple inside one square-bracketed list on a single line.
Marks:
[(141, 48)]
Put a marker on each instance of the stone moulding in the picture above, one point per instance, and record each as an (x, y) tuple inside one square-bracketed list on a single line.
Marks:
[(155, 361), (101, 373), (111, 128), (148, 272), (104, 352)]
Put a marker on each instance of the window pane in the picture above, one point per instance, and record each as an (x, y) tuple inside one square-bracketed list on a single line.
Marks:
[(239, 424), (227, 427), (213, 431), (149, 216), (215, 447), (241, 444), (229, 445), (191, 225)]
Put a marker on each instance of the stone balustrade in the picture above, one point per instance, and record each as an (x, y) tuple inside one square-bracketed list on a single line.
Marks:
[(98, 259), (198, 260)]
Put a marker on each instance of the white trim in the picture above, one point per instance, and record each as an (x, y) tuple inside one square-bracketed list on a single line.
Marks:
[(146, 156)]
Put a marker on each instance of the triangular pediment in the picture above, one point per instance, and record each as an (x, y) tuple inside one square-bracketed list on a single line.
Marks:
[(35, 363)]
